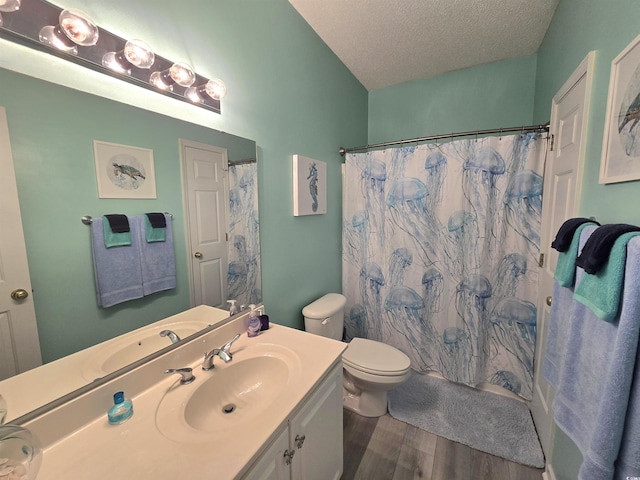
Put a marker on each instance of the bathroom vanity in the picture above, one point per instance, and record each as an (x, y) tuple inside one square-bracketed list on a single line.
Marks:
[(273, 412)]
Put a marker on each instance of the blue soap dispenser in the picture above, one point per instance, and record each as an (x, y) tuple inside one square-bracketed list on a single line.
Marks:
[(121, 411), (253, 322)]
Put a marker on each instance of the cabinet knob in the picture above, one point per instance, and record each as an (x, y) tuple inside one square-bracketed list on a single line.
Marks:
[(549, 300), (299, 441)]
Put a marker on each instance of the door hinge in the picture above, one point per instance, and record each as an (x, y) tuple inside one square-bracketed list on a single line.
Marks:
[(552, 141), (226, 236), (541, 260)]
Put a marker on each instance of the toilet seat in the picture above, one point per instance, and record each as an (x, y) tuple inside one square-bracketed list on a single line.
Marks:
[(375, 358)]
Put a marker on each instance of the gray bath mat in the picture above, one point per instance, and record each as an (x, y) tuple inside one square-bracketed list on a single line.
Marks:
[(482, 420)]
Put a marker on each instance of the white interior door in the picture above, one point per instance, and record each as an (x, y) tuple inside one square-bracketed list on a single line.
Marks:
[(562, 179), (19, 344), (206, 197)]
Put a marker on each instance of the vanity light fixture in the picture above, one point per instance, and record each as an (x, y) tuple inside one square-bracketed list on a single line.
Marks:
[(214, 88), (74, 28), (135, 53), (179, 73), (72, 35)]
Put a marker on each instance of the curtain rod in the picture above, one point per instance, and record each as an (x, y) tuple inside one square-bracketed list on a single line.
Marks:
[(530, 128)]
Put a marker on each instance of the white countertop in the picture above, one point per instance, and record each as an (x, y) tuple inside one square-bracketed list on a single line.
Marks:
[(36, 387), (138, 449)]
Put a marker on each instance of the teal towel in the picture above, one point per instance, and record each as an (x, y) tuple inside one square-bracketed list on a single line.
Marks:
[(601, 292), (153, 234), (115, 239), (565, 273)]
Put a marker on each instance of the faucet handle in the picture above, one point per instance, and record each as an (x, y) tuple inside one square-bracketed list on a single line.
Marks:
[(227, 346), (187, 375)]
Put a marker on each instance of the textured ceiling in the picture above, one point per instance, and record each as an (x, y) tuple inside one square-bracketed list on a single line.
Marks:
[(387, 42)]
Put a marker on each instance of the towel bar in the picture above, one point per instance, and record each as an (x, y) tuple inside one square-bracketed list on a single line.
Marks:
[(88, 219)]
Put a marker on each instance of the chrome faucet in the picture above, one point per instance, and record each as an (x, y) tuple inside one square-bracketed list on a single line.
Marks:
[(187, 376), (172, 335), (223, 352)]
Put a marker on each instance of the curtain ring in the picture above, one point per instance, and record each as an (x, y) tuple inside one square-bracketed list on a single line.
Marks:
[(476, 136), (500, 136)]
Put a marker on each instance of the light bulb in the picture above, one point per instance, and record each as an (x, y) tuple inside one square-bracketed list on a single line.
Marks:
[(179, 73), (75, 28), (214, 88), (9, 5), (135, 52), (79, 27)]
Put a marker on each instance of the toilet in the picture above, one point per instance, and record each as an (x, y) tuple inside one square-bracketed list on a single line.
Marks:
[(370, 368)]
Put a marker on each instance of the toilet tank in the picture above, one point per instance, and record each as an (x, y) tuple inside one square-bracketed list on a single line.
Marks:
[(325, 316)]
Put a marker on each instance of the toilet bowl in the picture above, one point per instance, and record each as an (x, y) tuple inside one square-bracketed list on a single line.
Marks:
[(370, 368)]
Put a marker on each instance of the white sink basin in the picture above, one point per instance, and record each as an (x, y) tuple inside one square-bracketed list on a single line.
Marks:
[(134, 346), (230, 398)]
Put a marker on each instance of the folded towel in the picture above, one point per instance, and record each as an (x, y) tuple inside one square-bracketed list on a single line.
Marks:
[(157, 220), (601, 291), (118, 275), (118, 223), (154, 234), (565, 272), (593, 403), (157, 260), (119, 238), (566, 233), (596, 251)]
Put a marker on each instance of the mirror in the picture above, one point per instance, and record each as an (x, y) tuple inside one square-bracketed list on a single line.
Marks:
[(52, 129)]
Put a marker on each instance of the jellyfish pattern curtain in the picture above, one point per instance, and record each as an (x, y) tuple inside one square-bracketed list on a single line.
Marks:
[(440, 250), (243, 277)]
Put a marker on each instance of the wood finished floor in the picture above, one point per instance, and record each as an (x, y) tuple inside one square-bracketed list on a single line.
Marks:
[(387, 449)]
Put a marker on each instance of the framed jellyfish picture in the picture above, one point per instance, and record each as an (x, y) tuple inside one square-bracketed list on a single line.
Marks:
[(123, 171), (621, 143), (309, 186)]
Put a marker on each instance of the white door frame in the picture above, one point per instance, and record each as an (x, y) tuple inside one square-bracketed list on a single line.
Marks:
[(193, 286), (19, 342), (542, 392)]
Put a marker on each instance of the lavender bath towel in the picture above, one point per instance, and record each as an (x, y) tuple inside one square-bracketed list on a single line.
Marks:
[(157, 258), (593, 372), (117, 270)]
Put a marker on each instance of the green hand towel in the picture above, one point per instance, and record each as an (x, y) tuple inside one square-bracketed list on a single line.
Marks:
[(114, 239), (153, 234), (565, 273), (601, 292)]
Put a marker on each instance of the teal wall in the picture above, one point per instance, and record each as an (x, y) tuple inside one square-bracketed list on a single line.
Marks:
[(489, 96), (578, 27), (286, 90)]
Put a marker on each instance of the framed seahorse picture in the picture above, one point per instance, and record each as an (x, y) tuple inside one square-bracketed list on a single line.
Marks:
[(621, 143), (309, 186), (123, 171)]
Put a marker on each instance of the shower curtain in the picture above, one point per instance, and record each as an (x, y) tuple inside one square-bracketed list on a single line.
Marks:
[(440, 251), (243, 276)]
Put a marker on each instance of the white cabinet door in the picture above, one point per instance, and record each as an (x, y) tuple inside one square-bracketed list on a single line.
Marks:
[(271, 465), (316, 433), (310, 448)]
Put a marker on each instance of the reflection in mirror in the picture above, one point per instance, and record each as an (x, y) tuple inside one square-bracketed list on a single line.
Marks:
[(52, 129)]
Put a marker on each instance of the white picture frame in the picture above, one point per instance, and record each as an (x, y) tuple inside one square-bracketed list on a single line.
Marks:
[(621, 142), (123, 171), (309, 186)]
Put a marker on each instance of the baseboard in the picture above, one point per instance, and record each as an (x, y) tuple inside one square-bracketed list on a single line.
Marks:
[(548, 473)]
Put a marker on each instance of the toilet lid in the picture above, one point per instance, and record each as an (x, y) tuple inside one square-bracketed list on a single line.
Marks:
[(375, 357)]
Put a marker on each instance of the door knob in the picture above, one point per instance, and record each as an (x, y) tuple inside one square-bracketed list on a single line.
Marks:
[(197, 255), (549, 300), (19, 294)]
